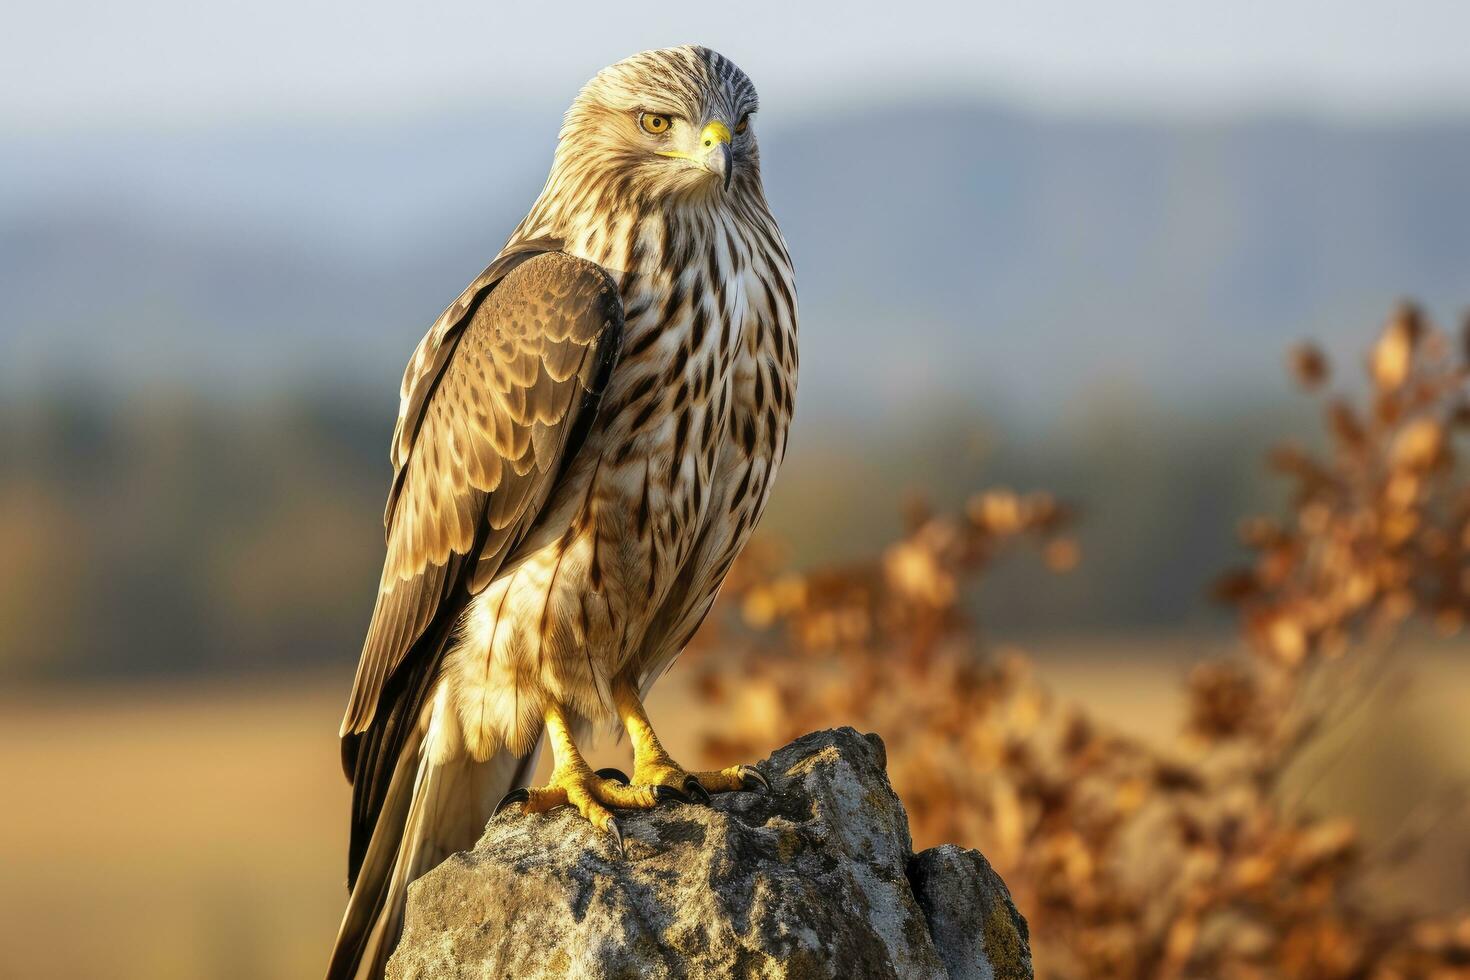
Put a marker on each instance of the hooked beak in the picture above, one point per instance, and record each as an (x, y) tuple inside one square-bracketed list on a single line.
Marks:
[(715, 142), (714, 154)]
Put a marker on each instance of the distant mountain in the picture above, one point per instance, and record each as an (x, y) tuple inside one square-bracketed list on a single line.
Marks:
[(964, 251)]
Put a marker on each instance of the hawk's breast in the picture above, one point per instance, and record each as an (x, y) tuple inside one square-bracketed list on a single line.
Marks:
[(630, 552)]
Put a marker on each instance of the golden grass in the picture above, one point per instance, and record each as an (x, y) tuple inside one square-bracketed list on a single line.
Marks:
[(180, 830)]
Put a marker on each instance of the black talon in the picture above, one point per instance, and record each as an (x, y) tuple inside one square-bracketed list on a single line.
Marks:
[(616, 775), (617, 832), (752, 777), (514, 796), (696, 792), (667, 794)]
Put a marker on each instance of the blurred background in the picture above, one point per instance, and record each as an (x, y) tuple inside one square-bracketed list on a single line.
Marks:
[(1050, 247)]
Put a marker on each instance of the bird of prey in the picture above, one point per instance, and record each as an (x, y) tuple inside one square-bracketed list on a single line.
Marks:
[(586, 438)]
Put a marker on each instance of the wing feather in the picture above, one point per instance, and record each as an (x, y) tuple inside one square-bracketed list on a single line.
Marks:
[(478, 445)]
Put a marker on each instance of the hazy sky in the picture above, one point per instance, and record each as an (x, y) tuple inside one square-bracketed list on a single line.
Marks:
[(73, 64)]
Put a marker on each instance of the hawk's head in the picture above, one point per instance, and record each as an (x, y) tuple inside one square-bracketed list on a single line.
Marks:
[(677, 121)]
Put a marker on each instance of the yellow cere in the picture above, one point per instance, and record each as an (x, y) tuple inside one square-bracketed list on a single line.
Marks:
[(715, 132)]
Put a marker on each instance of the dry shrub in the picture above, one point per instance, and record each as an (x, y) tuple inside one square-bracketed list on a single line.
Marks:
[(1132, 859), (1380, 523)]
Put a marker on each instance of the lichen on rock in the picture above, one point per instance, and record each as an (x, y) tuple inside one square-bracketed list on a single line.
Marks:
[(815, 880), (977, 929)]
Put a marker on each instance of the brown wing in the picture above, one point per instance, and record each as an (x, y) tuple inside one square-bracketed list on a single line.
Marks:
[(481, 440)]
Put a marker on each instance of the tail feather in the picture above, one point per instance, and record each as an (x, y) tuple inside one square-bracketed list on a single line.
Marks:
[(430, 810)]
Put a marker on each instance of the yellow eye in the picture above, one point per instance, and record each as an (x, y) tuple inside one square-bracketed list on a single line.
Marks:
[(742, 125), (654, 123)]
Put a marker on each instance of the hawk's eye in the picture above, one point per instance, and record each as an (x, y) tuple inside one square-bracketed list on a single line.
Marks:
[(742, 125), (655, 123)]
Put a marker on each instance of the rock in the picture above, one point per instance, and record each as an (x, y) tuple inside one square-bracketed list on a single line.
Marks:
[(977, 929), (816, 880)]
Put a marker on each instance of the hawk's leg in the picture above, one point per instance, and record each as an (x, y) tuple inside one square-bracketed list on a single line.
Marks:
[(654, 767), (573, 782)]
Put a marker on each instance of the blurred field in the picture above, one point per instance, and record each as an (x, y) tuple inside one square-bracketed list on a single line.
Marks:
[(172, 831), (182, 829), (198, 829)]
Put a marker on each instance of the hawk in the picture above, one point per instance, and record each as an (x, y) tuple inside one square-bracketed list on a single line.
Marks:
[(586, 438)]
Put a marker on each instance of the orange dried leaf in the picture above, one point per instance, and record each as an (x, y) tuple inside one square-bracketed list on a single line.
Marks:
[(1394, 353), (1062, 554), (1308, 365), (1420, 445)]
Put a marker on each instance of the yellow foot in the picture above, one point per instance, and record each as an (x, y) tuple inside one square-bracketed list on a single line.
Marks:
[(592, 793), (653, 766), (661, 772)]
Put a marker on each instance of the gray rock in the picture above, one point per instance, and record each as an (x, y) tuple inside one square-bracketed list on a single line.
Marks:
[(977, 929), (812, 881)]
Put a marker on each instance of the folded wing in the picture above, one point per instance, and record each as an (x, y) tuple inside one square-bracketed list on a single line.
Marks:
[(496, 403)]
